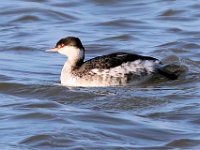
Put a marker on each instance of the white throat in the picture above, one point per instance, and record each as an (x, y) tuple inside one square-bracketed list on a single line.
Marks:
[(73, 53)]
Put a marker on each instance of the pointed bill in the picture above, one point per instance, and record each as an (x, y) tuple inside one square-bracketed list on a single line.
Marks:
[(52, 50)]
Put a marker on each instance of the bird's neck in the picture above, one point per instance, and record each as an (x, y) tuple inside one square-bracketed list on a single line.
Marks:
[(72, 64), (75, 58), (74, 61)]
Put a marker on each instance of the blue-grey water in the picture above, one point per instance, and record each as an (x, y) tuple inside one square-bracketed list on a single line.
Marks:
[(37, 113)]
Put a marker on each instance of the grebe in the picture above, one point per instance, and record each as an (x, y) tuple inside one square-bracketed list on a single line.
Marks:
[(108, 70)]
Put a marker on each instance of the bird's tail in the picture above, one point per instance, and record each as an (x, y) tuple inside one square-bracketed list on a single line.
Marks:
[(168, 75), (173, 70)]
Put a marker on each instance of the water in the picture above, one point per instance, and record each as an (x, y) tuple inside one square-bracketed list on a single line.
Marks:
[(37, 113)]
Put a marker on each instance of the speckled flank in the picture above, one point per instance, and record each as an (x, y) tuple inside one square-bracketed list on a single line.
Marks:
[(121, 75), (137, 67)]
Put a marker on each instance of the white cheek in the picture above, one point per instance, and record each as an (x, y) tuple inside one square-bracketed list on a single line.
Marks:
[(62, 51), (71, 52)]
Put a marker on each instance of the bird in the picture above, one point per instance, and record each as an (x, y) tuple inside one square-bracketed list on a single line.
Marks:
[(115, 69)]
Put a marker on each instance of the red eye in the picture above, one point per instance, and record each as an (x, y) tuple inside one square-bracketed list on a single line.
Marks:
[(62, 45)]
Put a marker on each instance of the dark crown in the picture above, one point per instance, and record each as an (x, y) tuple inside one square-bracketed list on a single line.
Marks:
[(70, 41)]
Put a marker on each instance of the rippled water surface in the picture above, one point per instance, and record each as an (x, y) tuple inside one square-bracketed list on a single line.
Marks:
[(37, 113)]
